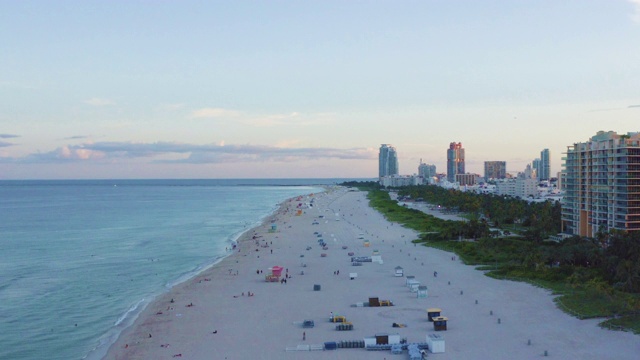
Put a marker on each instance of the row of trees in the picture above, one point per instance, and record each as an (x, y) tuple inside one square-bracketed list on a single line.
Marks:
[(543, 218), (612, 257)]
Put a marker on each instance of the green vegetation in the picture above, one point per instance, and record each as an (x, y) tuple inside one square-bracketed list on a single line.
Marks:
[(593, 277)]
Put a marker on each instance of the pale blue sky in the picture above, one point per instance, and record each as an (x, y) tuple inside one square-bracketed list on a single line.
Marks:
[(209, 89)]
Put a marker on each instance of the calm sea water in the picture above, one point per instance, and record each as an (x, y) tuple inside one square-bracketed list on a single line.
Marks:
[(80, 259)]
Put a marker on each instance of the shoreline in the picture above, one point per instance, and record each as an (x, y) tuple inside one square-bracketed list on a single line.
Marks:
[(212, 316), (241, 237)]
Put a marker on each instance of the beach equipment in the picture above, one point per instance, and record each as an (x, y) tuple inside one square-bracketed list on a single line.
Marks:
[(367, 243), (338, 319), (399, 271), (353, 275), (308, 324), (374, 302), (331, 345), (344, 326), (433, 312), (422, 292), (274, 228), (413, 285), (435, 343), (414, 352), (440, 323), (316, 287), (409, 278)]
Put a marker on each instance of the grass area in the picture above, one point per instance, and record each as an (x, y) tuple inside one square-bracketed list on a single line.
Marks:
[(581, 292)]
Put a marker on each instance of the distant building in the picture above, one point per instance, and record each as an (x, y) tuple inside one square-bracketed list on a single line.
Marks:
[(426, 170), (401, 180), (495, 170), (455, 161), (544, 171), (387, 161), (466, 179), (536, 166), (601, 178), (523, 186)]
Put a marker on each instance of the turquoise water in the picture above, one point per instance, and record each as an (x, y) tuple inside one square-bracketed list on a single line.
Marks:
[(80, 259)]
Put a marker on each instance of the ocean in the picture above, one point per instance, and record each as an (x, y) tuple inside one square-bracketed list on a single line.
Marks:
[(81, 259)]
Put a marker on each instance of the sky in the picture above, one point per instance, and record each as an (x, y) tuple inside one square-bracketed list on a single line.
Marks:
[(307, 89)]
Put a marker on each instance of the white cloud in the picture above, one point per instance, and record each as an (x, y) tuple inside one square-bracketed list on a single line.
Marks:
[(99, 102), (636, 10), (171, 107), (214, 113)]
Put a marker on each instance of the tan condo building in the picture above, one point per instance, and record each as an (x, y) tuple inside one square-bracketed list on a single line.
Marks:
[(602, 184)]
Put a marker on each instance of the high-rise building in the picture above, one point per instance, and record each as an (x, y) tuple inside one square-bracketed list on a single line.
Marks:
[(602, 184), (426, 170), (455, 161), (536, 166), (387, 161), (495, 170), (544, 171)]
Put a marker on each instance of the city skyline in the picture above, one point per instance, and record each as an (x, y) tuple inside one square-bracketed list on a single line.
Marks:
[(273, 90)]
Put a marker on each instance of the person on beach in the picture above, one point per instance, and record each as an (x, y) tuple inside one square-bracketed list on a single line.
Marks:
[(304, 336)]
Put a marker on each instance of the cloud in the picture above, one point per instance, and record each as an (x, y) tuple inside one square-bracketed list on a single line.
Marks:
[(64, 154), (99, 102), (5, 144), (200, 154), (8, 136), (636, 10), (634, 106), (214, 113), (77, 137), (170, 152), (171, 107)]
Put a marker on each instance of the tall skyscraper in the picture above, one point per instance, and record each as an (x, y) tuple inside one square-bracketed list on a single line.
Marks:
[(545, 167), (495, 170), (455, 161), (426, 170), (387, 161), (601, 181), (536, 167)]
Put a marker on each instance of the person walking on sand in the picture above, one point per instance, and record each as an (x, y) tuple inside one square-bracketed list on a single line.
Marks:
[(304, 336)]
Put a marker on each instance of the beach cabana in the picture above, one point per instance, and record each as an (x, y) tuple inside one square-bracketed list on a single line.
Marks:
[(387, 339), (440, 323), (376, 252), (433, 312), (409, 278), (376, 259), (413, 285), (435, 343), (353, 275), (274, 227), (367, 243), (399, 271), (422, 292)]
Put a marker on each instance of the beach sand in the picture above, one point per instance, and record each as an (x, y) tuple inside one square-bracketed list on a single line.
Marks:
[(225, 323)]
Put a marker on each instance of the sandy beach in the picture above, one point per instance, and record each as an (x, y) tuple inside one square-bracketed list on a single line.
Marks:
[(213, 317)]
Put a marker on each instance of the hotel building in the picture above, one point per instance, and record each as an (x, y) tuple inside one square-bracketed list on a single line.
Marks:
[(387, 161), (601, 178), (495, 170), (455, 161)]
